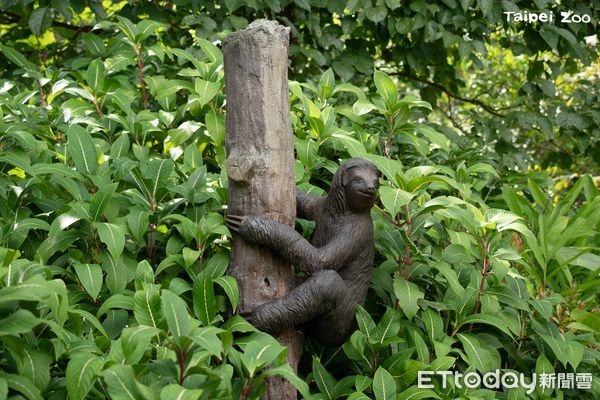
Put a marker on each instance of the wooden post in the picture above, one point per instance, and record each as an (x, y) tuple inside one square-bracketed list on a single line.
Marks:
[(260, 166)]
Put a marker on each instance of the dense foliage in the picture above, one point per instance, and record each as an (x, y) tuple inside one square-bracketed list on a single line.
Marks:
[(113, 250)]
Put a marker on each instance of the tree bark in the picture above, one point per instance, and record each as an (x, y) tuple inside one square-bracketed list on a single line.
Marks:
[(260, 166)]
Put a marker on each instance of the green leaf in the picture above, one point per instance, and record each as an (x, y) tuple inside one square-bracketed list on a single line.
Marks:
[(21, 321), (376, 14), (95, 76), (121, 383), (88, 317), (507, 296), (93, 43), (451, 278), (27, 224), (394, 199), (306, 151), (386, 88), (120, 147), (416, 393), (420, 346), (113, 237), (325, 381), (434, 137), (177, 392), (3, 388), (138, 224), (408, 295), (326, 84), (144, 275), (358, 396), (215, 124), (286, 372), (100, 200), (413, 101), (580, 257), (353, 146), (147, 308), (230, 286), (365, 322), (82, 370), (22, 385), (127, 27), (261, 352), (362, 107), (116, 272), (57, 169), (544, 366), (483, 358), (384, 386), (566, 34), (40, 20), (388, 326), (392, 169), (90, 276), (159, 171), (492, 320), (82, 150), (238, 324), (193, 158), (433, 325), (566, 351), (146, 28), (190, 256), (444, 363), (35, 288), (207, 338), (135, 342), (486, 7), (212, 52), (118, 301), (586, 320), (17, 58), (206, 90), (204, 299), (176, 313)]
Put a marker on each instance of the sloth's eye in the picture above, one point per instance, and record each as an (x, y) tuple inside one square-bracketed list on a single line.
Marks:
[(358, 179)]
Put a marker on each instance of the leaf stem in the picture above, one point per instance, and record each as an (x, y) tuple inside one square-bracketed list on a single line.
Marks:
[(245, 391), (181, 360), (41, 65), (400, 260), (407, 260), (150, 246), (484, 273), (390, 137), (200, 259), (140, 64), (98, 110)]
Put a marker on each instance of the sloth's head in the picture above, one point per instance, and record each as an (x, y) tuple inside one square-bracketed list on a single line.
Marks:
[(355, 185)]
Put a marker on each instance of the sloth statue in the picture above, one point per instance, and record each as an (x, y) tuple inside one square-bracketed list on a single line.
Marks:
[(337, 261)]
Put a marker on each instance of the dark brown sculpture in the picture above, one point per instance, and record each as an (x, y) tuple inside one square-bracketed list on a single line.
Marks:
[(338, 260)]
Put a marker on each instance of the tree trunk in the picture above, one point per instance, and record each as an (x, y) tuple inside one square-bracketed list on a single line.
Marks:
[(260, 166)]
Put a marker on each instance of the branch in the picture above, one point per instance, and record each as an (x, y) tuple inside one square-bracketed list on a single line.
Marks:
[(441, 87), (14, 18)]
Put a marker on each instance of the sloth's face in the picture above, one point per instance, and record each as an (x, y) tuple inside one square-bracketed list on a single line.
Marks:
[(361, 186)]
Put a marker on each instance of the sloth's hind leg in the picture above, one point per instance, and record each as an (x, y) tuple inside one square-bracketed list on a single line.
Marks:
[(318, 295)]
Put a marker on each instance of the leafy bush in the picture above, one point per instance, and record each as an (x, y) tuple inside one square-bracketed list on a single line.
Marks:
[(114, 252)]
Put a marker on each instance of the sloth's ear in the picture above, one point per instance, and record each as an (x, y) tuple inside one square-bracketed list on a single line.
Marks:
[(346, 175)]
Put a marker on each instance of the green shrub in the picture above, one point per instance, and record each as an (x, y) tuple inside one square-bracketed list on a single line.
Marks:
[(114, 252)]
